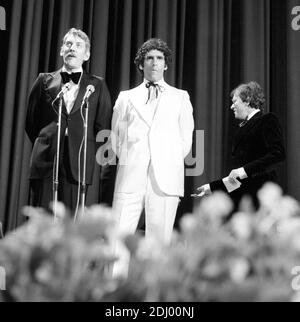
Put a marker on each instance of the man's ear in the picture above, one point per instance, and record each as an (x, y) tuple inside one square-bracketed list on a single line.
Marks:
[(87, 56), (166, 67), (61, 51), (141, 67)]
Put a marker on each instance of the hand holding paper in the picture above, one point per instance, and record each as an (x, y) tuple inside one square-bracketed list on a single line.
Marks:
[(231, 184)]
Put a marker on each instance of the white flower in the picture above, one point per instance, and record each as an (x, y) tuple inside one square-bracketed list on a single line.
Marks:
[(266, 225), (212, 270), (287, 207), (295, 242), (188, 223), (99, 212), (289, 226), (61, 211), (296, 297), (44, 273), (239, 269), (269, 195), (241, 224), (149, 248), (217, 205)]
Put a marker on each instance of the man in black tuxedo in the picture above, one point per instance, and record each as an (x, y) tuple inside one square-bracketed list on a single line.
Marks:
[(257, 146), (42, 117)]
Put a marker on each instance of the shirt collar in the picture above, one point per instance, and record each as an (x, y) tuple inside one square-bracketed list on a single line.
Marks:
[(77, 70), (161, 82), (252, 114)]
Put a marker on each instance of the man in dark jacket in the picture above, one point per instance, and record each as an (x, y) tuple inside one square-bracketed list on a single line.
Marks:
[(257, 146), (42, 118)]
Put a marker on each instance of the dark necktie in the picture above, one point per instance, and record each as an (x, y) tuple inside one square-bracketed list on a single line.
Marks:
[(74, 77), (243, 122), (152, 87)]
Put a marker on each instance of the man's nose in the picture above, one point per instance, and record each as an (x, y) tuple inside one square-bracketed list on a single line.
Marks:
[(72, 47)]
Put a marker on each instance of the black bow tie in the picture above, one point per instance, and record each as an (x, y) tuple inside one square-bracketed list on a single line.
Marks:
[(156, 87), (74, 77)]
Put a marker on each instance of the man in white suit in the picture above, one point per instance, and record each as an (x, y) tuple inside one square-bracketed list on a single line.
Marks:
[(153, 125)]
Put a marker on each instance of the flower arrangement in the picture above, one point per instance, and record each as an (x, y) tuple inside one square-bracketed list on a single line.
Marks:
[(249, 258), (63, 261)]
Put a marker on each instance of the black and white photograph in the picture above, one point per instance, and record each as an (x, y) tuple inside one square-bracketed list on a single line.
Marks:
[(149, 153)]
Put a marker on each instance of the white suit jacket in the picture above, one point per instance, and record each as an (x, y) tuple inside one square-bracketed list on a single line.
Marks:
[(165, 140)]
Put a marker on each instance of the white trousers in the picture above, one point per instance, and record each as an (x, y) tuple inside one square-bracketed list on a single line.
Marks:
[(160, 213)]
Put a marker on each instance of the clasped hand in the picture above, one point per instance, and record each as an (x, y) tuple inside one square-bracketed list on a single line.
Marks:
[(233, 176)]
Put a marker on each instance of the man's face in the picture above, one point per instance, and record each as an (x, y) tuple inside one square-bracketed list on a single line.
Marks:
[(74, 52), (154, 65), (240, 108)]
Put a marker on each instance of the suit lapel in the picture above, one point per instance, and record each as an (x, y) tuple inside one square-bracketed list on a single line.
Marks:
[(241, 133), (85, 80), (54, 86), (138, 97), (165, 94), (137, 100)]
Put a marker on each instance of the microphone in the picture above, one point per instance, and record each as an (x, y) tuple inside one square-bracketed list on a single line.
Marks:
[(64, 89), (90, 89)]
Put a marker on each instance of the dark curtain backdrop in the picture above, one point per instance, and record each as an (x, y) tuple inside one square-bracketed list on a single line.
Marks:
[(217, 44)]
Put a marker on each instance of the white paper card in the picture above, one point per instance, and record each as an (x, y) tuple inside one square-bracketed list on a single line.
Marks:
[(231, 186)]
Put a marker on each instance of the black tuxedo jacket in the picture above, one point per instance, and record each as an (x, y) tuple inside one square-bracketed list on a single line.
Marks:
[(258, 146), (41, 123)]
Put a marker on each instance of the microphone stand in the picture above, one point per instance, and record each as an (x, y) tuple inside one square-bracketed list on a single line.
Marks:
[(55, 179), (83, 183)]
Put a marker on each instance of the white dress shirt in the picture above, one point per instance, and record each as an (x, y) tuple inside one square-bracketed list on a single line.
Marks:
[(149, 108), (71, 95)]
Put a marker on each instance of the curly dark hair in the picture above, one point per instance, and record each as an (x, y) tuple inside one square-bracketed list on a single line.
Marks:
[(151, 44), (251, 93)]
